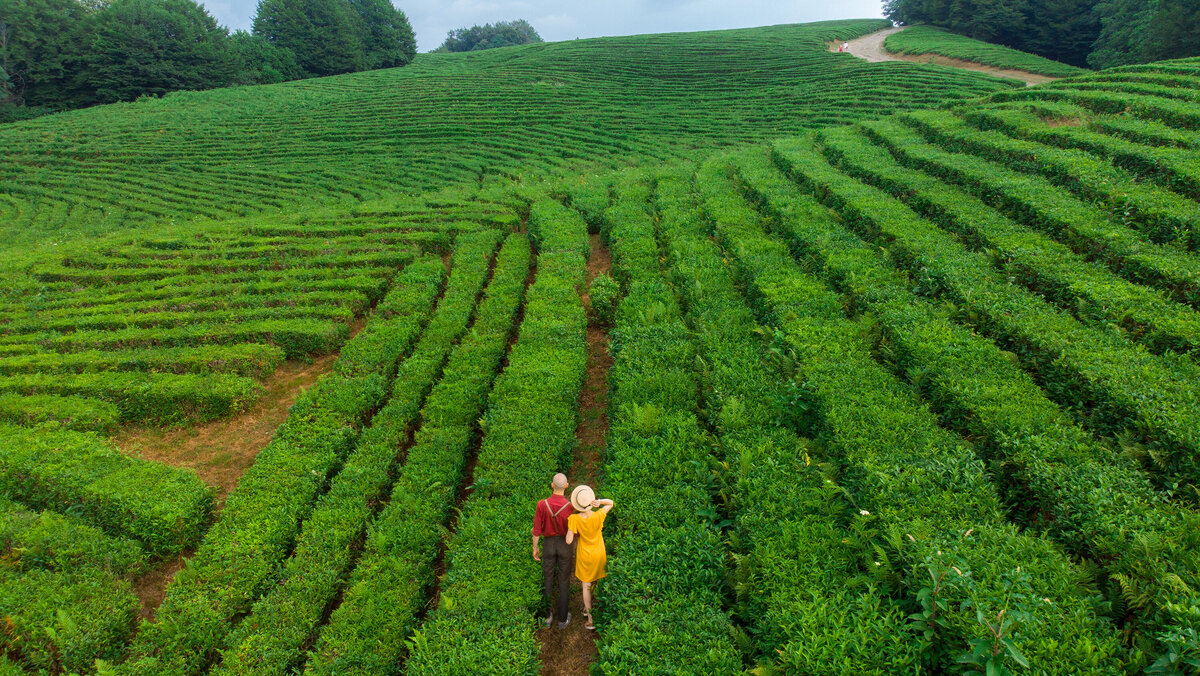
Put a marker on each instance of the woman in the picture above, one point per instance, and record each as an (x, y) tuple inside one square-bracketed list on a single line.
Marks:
[(588, 526)]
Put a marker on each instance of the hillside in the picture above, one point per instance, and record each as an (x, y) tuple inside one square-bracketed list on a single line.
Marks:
[(873, 393), (449, 118)]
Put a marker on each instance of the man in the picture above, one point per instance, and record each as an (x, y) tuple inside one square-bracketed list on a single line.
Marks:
[(550, 523)]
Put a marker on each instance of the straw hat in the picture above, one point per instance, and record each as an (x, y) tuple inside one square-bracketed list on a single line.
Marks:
[(582, 497)]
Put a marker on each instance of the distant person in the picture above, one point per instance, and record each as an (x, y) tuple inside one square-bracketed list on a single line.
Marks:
[(845, 47), (588, 526), (557, 554)]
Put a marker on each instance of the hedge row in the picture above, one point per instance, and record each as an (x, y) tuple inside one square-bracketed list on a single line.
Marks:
[(1174, 113), (400, 318), (283, 622), (590, 197), (370, 283), (73, 413), (1039, 262), (485, 621), (1054, 475), (229, 298), (77, 473), (947, 536), (1171, 166), (251, 360), (244, 552), (1161, 215), (63, 622), (176, 319), (792, 522), (662, 602), (297, 337), (1043, 206), (157, 398), (122, 272), (1114, 383), (30, 539), (387, 591)]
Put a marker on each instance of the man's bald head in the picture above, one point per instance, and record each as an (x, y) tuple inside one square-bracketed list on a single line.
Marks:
[(559, 482)]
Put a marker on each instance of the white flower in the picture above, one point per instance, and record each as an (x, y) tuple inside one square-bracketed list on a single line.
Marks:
[(878, 563), (864, 512)]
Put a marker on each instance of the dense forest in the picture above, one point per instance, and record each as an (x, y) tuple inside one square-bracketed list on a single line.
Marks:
[(60, 54), (1095, 33)]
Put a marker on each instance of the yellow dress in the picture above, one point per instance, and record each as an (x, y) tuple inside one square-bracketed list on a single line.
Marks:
[(589, 552)]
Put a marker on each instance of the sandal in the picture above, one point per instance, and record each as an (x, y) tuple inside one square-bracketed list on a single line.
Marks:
[(591, 625)]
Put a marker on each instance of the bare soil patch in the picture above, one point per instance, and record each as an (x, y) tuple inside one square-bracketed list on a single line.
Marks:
[(151, 586), (221, 451), (870, 48), (571, 651)]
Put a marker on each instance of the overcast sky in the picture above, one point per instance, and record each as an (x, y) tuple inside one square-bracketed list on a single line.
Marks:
[(591, 18)]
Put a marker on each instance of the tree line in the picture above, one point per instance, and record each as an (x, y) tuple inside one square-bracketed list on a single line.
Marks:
[(60, 54), (1095, 33), (490, 36)]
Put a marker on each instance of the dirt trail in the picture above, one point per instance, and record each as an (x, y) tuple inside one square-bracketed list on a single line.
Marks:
[(571, 651), (221, 451), (870, 48)]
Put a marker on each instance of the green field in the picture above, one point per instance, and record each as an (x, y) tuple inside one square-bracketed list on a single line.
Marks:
[(903, 368)]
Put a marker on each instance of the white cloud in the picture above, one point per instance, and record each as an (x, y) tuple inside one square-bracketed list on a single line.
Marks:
[(584, 19)]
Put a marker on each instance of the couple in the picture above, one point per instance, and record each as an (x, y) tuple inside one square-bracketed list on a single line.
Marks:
[(561, 523)]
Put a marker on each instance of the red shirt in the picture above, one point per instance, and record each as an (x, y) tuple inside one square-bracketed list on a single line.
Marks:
[(544, 520)]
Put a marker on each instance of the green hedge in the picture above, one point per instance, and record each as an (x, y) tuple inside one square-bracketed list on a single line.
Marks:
[(155, 398), (246, 359), (1148, 148), (367, 634), (1041, 205), (401, 317), (1174, 113), (660, 609), (245, 551), (297, 337), (799, 557), (1160, 214), (123, 319), (164, 508), (1055, 476), (64, 622), (73, 413), (924, 487), (1039, 262), (63, 543), (485, 622), (1120, 385)]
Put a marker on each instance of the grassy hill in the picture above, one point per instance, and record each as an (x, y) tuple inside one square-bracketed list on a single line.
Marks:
[(448, 118), (887, 393)]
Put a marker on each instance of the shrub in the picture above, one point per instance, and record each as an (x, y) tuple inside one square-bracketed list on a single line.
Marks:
[(604, 295)]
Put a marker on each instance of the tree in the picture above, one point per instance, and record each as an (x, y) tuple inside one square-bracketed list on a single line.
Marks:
[(321, 33), (385, 34), (1140, 31), (488, 36), (140, 47), (256, 61), (39, 51), (1063, 30)]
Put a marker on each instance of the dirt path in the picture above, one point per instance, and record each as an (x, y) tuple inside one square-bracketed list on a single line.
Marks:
[(221, 451), (571, 651), (870, 48)]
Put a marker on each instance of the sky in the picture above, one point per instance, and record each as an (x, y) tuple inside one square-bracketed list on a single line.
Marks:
[(431, 19)]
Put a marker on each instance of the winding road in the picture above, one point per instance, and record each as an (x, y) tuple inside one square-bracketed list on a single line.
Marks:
[(870, 48)]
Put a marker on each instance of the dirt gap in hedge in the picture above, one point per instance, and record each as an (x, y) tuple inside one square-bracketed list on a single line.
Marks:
[(572, 650)]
